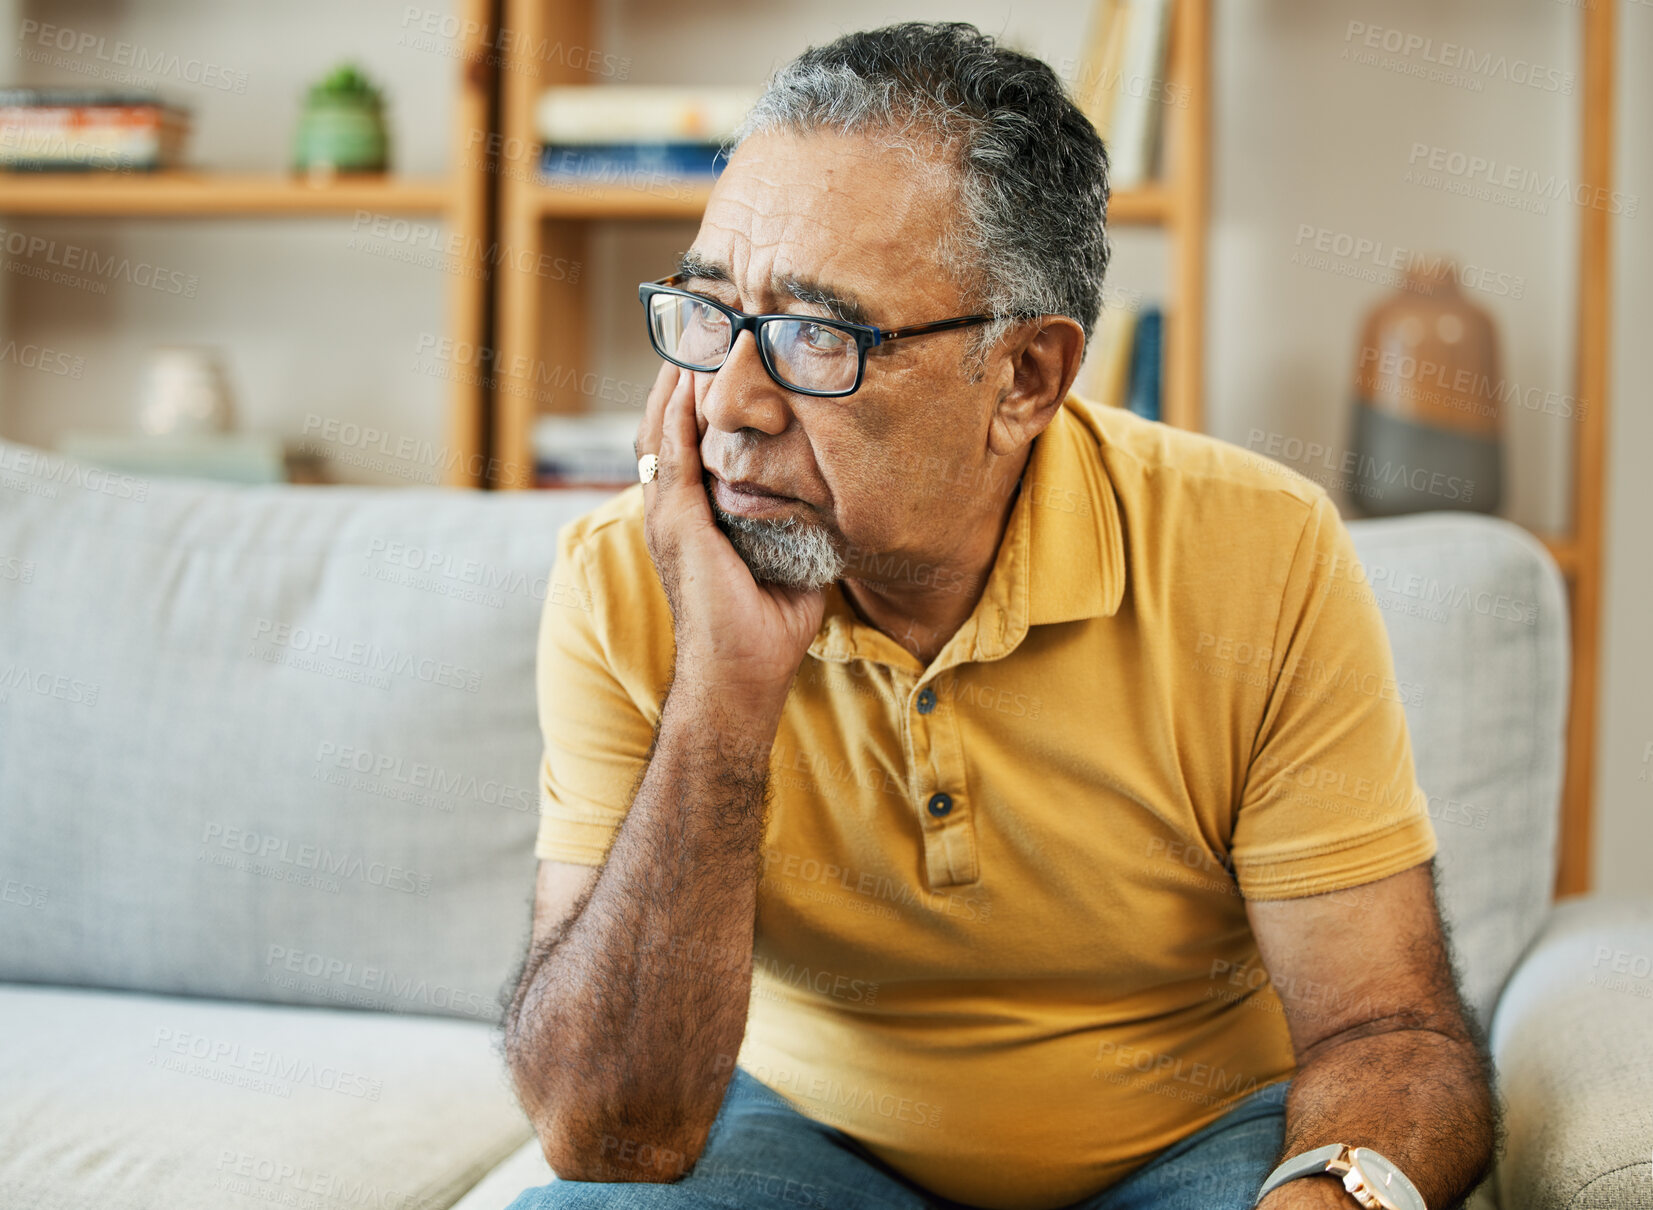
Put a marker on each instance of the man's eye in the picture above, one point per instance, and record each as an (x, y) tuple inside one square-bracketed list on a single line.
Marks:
[(822, 338)]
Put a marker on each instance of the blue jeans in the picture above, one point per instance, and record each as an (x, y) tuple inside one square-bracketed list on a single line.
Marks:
[(764, 1155)]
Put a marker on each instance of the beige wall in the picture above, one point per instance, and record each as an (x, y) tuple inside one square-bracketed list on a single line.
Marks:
[(1624, 761), (1306, 138)]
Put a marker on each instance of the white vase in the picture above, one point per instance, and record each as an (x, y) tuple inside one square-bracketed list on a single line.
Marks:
[(184, 392)]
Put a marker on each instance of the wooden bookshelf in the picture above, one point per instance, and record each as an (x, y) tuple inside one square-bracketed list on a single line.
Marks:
[(459, 200), (541, 323), (683, 203), (209, 195), (1564, 551), (1147, 207), (471, 216), (1188, 165), (1584, 545)]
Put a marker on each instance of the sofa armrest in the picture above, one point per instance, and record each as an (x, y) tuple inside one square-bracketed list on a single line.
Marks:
[(522, 1170), (1572, 1038)]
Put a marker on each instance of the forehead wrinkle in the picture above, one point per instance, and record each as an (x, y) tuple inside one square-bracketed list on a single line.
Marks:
[(813, 235)]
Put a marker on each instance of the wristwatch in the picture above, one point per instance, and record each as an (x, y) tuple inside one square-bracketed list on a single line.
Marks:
[(1372, 1180)]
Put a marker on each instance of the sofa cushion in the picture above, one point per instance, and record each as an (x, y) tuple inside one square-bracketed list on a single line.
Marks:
[(162, 1103), (1477, 618), (1573, 1040), (270, 743), (525, 1168)]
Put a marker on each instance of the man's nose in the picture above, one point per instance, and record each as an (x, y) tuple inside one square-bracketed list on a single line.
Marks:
[(743, 396)]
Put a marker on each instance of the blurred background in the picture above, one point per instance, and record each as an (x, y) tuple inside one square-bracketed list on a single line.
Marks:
[(392, 243)]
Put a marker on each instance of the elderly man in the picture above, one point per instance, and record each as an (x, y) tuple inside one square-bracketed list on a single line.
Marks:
[(956, 794)]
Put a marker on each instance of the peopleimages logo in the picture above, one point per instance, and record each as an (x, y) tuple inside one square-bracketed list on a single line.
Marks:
[(366, 986), (1476, 175), (77, 258), (514, 48), (1445, 385), (839, 1100), (440, 565), (1362, 473), (410, 457), (1452, 62), (283, 641), (61, 686), (23, 894), (279, 1072), (261, 849), (42, 358), (1351, 255), (110, 61), (14, 568), (52, 470), (289, 1184), (381, 770)]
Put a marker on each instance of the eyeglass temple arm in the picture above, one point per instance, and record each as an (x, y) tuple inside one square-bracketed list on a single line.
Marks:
[(941, 325)]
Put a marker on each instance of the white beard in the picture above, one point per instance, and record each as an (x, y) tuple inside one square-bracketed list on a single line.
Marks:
[(789, 552)]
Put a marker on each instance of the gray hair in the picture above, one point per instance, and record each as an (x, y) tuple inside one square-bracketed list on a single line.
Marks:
[(1031, 172)]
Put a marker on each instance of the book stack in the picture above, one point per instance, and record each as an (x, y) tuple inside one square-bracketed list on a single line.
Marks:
[(80, 129), (1121, 85), (1124, 368), (593, 449), (636, 136)]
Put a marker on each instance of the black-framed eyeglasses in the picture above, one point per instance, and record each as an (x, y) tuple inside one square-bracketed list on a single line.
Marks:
[(803, 353)]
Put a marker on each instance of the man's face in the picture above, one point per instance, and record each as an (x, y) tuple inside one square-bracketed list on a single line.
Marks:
[(792, 219)]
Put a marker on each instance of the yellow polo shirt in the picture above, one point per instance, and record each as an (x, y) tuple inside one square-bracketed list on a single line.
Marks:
[(1001, 937)]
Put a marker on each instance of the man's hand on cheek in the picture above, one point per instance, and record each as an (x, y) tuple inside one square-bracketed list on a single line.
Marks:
[(738, 641)]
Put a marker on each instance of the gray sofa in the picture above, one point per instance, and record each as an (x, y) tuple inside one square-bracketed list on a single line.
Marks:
[(267, 800)]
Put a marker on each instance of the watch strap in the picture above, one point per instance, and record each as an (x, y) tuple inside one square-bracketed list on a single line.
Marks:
[(1305, 1163)]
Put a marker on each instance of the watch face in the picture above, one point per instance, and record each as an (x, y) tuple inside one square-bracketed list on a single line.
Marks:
[(1380, 1176)]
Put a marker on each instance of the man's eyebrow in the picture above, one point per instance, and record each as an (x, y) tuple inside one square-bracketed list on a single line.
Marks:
[(692, 264), (838, 302)]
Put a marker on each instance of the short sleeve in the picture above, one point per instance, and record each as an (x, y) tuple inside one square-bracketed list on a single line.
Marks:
[(1331, 798), (596, 737)]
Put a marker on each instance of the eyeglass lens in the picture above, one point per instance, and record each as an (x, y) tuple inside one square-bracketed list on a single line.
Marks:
[(804, 353)]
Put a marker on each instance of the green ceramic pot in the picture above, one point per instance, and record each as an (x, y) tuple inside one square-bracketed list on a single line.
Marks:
[(342, 128)]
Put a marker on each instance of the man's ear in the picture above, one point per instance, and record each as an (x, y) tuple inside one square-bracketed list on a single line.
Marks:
[(1042, 361)]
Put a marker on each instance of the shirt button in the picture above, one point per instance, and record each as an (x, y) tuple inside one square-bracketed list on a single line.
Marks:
[(926, 700), (940, 804)]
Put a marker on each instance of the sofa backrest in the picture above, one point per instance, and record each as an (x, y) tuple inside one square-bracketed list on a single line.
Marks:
[(280, 743), (269, 743), (1477, 617)]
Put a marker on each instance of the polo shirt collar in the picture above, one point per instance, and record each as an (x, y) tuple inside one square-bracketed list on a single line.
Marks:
[(1062, 559)]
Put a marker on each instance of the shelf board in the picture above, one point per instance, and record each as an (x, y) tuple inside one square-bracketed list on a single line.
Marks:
[(213, 195), (580, 200), (1140, 207), (1564, 550)]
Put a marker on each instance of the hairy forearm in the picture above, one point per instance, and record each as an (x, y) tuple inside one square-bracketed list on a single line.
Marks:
[(623, 1034), (1421, 1096)]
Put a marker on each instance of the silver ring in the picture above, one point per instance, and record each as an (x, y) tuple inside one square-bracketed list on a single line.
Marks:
[(648, 466)]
